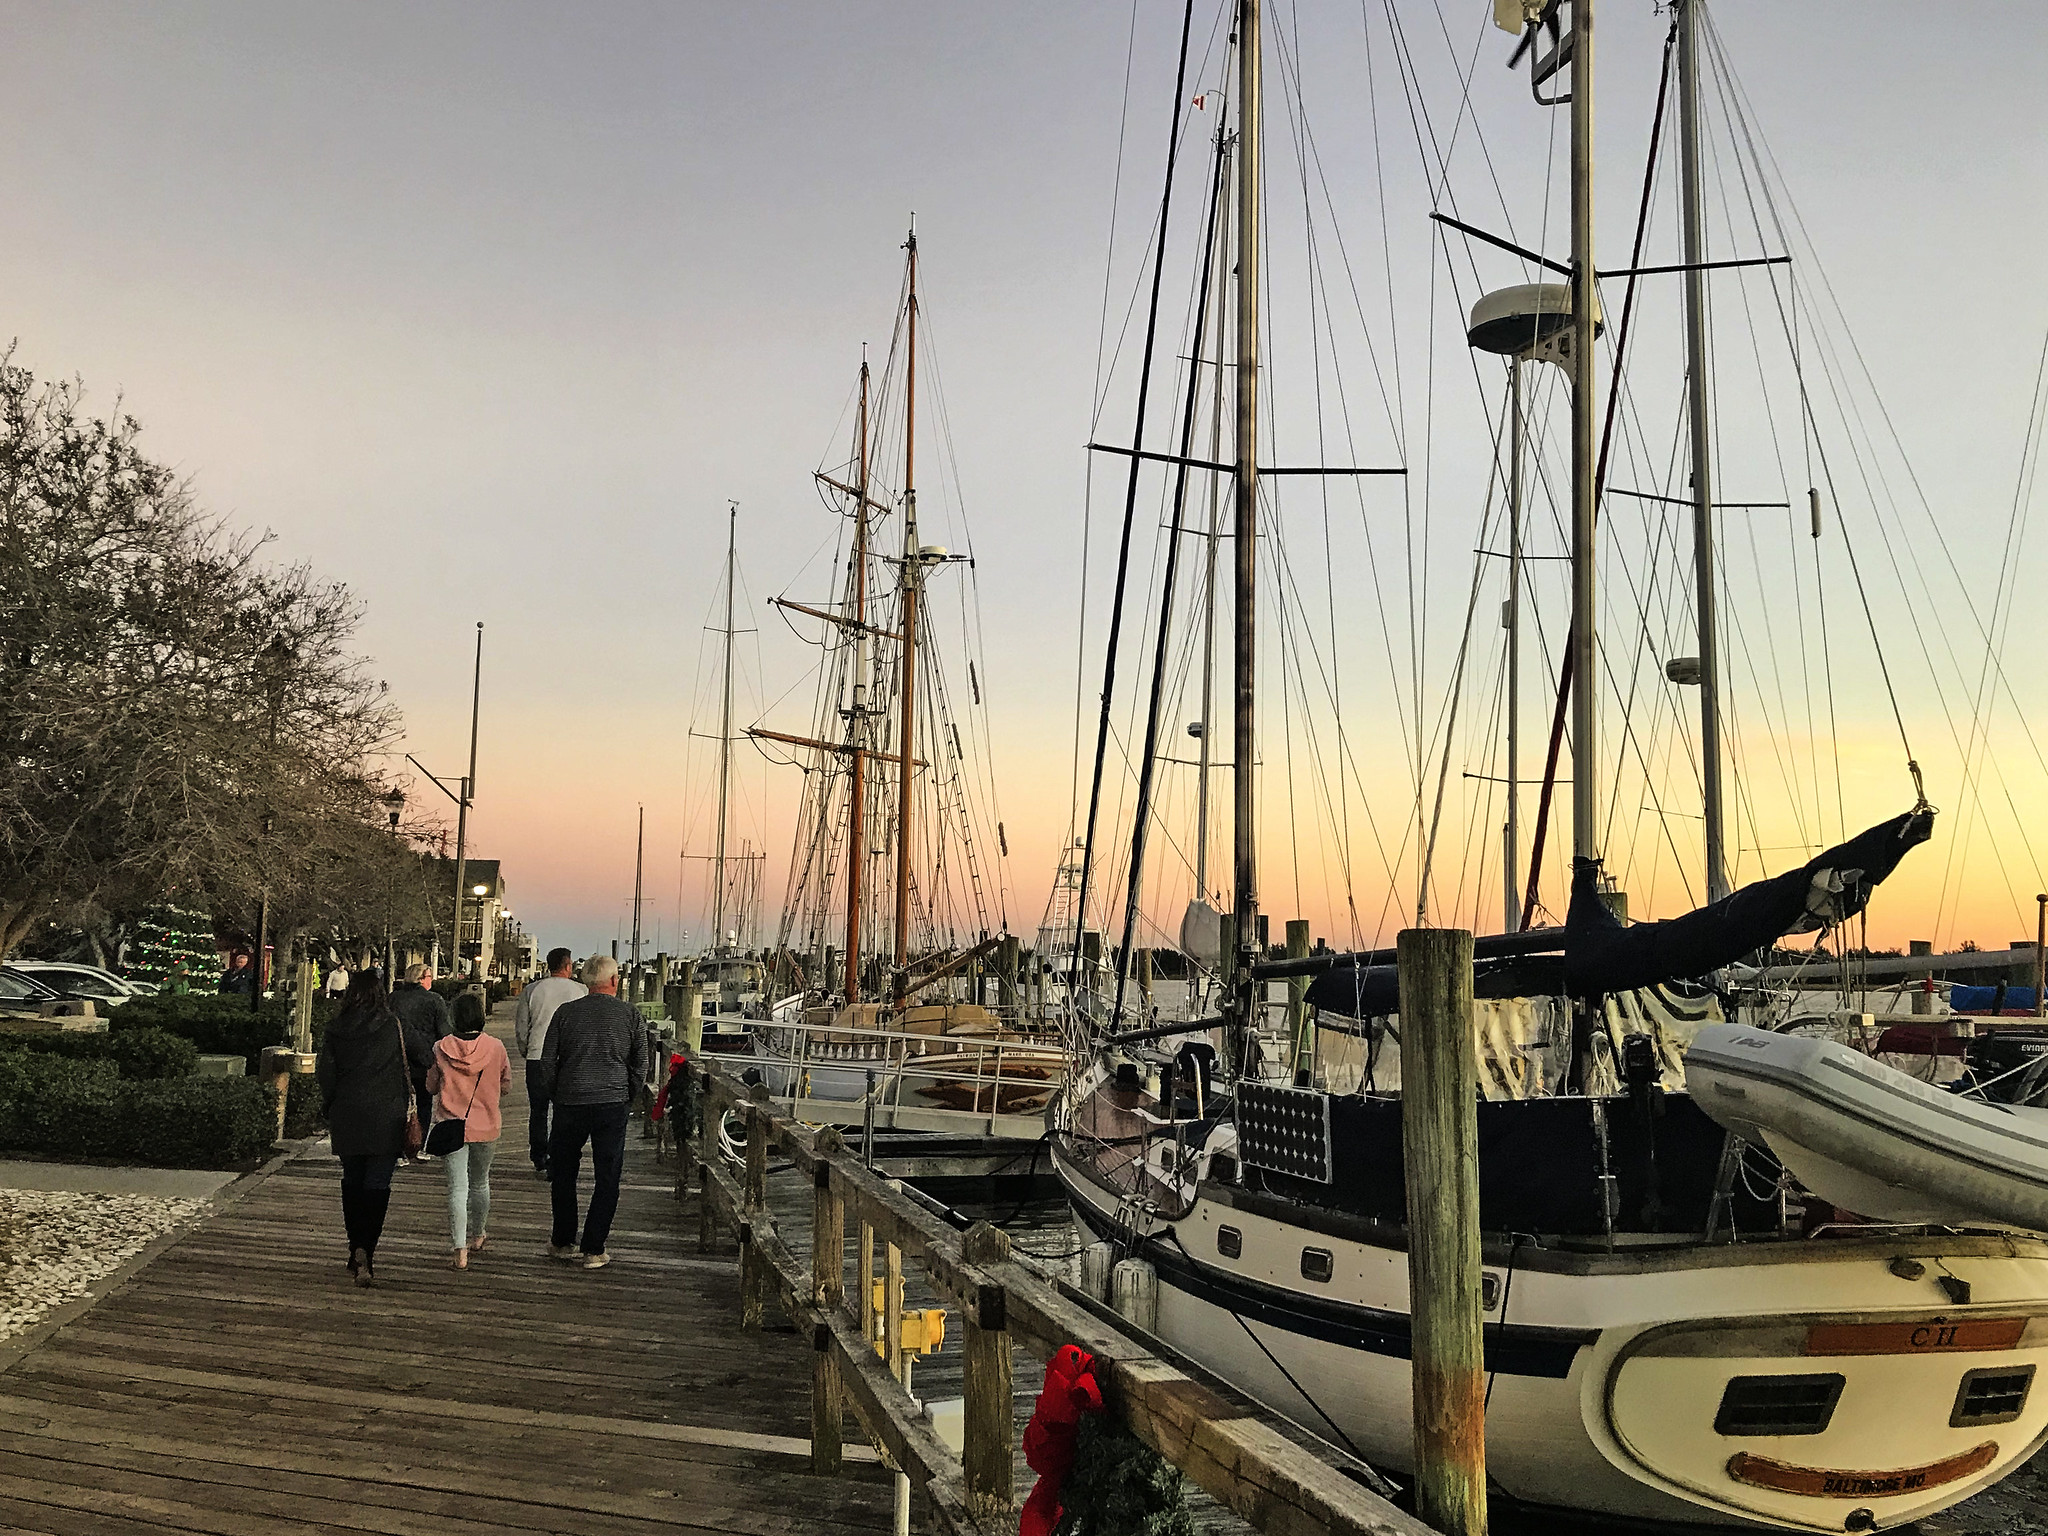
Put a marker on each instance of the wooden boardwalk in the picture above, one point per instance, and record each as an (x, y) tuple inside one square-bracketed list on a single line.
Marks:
[(240, 1384)]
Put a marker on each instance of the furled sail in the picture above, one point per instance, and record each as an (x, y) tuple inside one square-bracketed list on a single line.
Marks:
[(1602, 954)]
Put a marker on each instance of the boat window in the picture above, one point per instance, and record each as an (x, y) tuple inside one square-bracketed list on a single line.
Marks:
[(1229, 1242), (1778, 1405), (1317, 1264), (1994, 1394)]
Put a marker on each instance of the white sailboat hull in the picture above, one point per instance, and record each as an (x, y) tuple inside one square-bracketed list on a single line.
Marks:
[(1610, 1370)]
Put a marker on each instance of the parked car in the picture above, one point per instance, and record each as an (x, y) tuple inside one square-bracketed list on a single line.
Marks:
[(19, 990), (70, 978)]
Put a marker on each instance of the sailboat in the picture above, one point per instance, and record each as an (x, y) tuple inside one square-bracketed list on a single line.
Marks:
[(900, 1000), (1662, 1341)]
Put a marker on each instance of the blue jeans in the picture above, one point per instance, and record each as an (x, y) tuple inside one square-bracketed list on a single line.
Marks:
[(469, 1191), (604, 1127)]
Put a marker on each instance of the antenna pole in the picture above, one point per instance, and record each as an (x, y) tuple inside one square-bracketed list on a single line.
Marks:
[(1702, 455), (724, 738), (1245, 902), (1511, 834), (906, 751), (856, 718), (1585, 664)]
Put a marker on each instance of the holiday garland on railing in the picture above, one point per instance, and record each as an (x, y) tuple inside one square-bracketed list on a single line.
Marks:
[(174, 942)]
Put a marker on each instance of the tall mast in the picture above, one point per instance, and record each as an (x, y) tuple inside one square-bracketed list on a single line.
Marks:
[(1245, 902), (856, 718), (724, 739), (1702, 458), (906, 754), (1585, 666), (639, 870), (1511, 834), (1215, 532)]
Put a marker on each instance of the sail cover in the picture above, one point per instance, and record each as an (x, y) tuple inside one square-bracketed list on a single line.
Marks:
[(1604, 955)]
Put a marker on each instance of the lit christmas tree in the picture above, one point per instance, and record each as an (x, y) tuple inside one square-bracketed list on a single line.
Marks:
[(172, 942)]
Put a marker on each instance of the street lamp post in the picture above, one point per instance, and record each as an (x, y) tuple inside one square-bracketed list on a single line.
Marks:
[(394, 807), (463, 800), (275, 664)]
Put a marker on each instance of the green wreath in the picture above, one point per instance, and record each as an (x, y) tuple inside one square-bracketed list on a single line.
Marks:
[(1119, 1486)]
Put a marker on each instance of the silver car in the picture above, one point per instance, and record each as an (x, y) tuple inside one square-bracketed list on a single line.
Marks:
[(74, 979)]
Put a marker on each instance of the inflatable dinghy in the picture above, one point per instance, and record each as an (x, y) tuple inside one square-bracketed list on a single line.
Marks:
[(1872, 1140)]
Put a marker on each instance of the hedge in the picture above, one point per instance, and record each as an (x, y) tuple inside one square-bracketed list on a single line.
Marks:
[(75, 1107), (303, 1116), (138, 1054), (220, 1026)]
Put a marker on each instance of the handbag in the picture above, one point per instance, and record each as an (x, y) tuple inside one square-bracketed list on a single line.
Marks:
[(451, 1135), (414, 1135)]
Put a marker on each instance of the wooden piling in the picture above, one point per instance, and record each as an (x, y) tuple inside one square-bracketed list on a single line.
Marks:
[(988, 1415), (753, 1267), (1301, 1051), (1440, 1146), (1006, 963), (828, 1291)]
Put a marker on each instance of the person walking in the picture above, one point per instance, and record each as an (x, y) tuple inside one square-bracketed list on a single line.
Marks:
[(593, 1061), (337, 982), (470, 1071), (427, 1023), (365, 1092), (537, 1005)]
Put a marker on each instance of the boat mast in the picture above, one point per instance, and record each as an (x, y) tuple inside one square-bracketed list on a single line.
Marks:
[(1585, 679), (1245, 529), (1702, 460), (639, 869), (856, 717), (906, 755), (724, 739), (1214, 534), (1511, 834)]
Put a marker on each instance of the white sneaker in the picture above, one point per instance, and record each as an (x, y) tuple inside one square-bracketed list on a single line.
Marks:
[(568, 1254), (596, 1260)]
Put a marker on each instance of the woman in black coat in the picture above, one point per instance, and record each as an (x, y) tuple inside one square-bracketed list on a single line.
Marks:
[(366, 1090)]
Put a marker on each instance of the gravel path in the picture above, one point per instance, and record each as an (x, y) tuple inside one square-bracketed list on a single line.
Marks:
[(53, 1244)]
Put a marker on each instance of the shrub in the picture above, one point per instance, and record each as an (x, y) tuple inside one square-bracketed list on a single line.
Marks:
[(302, 1114), (83, 1108), (222, 1026), (144, 1054), (137, 1053), (216, 1026)]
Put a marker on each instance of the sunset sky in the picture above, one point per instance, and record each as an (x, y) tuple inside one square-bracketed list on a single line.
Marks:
[(489, 311)]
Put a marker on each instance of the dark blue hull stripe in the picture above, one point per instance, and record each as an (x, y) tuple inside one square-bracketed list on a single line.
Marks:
[(1509, 1349)]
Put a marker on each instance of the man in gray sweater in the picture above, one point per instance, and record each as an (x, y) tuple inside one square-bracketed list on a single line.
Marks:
[(592, 1062)]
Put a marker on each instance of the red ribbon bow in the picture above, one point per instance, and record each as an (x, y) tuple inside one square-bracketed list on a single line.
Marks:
[(1050, 1438)]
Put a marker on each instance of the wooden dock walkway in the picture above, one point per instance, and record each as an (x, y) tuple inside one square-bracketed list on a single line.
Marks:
[(240, 1384)]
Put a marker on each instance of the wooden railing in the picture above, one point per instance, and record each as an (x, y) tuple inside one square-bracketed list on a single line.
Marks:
[(1237, 1451)]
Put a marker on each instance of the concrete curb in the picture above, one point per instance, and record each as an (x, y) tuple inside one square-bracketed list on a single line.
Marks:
[(117, 1280)]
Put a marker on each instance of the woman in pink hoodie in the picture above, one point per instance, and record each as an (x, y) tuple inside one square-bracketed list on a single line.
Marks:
[(470, 1071)]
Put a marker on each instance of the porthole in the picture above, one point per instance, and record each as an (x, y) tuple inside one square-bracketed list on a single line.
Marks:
[(1317, 1264), (1229, 1242)]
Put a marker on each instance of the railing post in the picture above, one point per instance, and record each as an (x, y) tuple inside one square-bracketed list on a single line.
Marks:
[(828, 1292), (989, 1414), (753, 1268), (1440, 1146)]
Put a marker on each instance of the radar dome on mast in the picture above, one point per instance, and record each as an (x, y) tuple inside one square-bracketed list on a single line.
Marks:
[(1532, 321)]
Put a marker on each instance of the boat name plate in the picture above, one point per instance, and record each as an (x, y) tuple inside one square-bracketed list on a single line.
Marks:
[(1935, 1335), (1830, 1483)]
